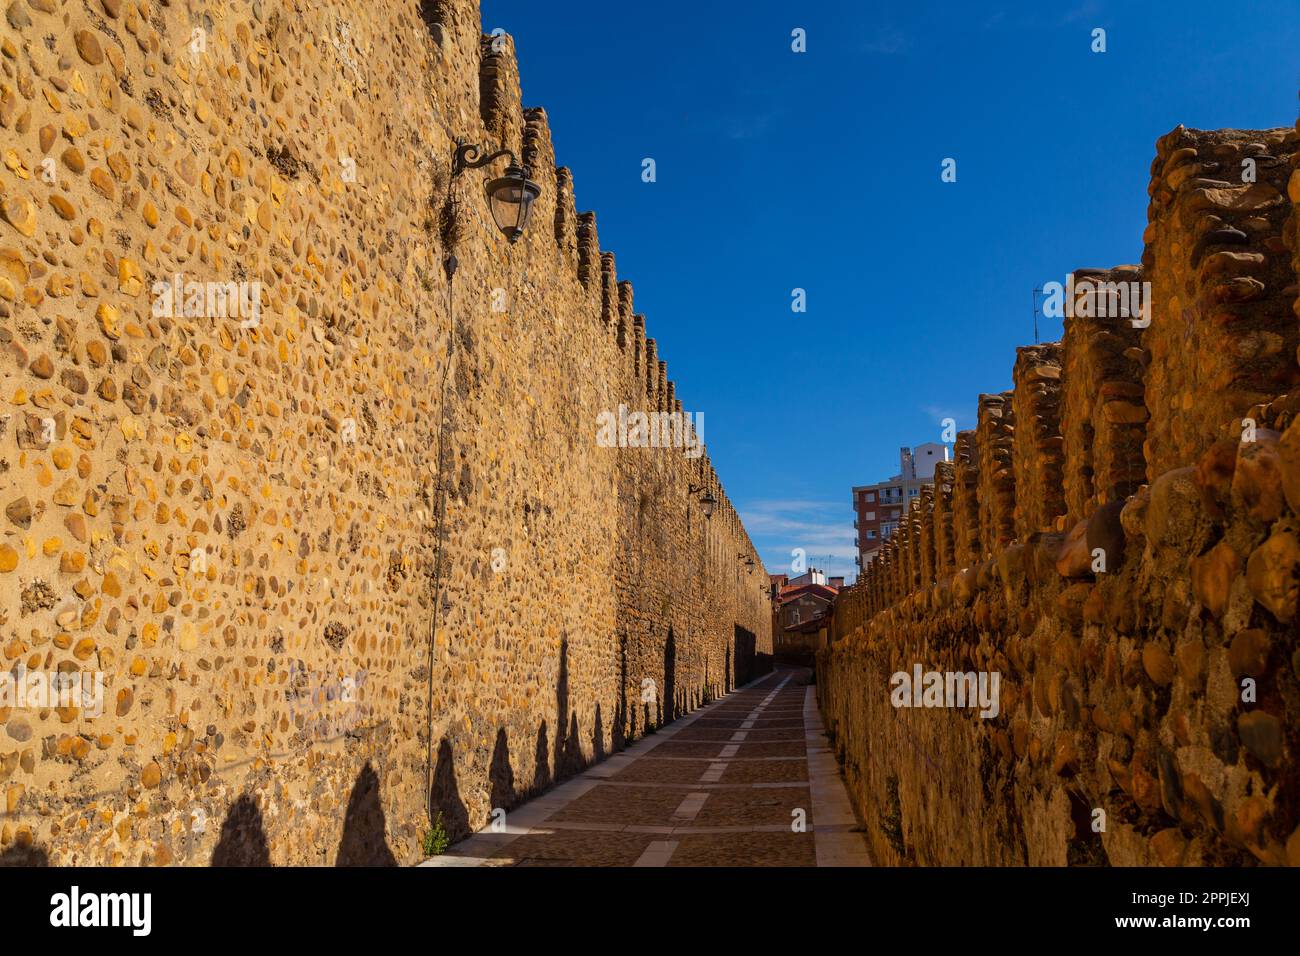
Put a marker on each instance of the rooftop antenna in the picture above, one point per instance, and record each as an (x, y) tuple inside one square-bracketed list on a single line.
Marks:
[(1035, 295)]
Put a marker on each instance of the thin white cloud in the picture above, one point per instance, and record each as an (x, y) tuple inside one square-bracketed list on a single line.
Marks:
[(937, 413), (752, 127), (1086, 9), (822, 529), (887, 42)]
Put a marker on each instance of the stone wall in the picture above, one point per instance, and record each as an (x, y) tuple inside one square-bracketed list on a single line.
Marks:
[(242, 525), (1104, 419), (1141, 608), (1223, 336)]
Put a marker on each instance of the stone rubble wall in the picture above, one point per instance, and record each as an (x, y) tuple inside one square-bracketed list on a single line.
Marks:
[(1038, 448), (1223, 336), (1149, 707), (1103, 421), (242, 529)]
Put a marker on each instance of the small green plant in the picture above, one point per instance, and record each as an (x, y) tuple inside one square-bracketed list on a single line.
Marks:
[(891, 821), (436, 840)]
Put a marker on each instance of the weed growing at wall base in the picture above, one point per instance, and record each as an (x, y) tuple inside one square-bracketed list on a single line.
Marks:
[(436, 840)]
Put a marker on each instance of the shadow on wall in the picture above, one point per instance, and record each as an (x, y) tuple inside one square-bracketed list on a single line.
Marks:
[(364, 841), (670, 679), (30, 855), (501, 776), (621, 713), (542, 765), (748, 663), (597, 737), (445, 797), (243, 838), (568, 746)]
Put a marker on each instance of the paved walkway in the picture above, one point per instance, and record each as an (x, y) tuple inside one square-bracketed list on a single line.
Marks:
[(719, 787)]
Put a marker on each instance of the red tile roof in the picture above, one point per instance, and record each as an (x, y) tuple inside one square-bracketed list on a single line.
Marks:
[(792, 591)]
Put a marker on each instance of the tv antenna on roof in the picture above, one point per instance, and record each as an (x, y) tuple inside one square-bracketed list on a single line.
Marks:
[(1035, 295)]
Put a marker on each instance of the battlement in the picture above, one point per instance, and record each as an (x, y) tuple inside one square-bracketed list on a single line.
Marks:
[(1122, 554)]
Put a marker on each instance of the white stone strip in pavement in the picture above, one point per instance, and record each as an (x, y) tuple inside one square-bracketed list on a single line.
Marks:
[(658, 853), (714, 773), (834, 837), (716, 770), (742, 759), (690, 807), (679, 830), (711, 786)]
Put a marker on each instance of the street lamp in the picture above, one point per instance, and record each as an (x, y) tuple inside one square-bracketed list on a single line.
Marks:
[(510, 197), (707, 501)]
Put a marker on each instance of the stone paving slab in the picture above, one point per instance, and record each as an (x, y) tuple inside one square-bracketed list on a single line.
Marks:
[(765, 770), (744, 849), (627, 805), (753, 807), (664, 771), (743, 749), (763, 735)]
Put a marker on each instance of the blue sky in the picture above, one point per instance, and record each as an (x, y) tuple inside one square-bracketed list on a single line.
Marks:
[(820, 170)]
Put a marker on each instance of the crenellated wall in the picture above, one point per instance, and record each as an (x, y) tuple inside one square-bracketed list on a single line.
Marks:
[(1038, 448), (1125, 556), (243, 529), (1103, 421), (1223, 336)]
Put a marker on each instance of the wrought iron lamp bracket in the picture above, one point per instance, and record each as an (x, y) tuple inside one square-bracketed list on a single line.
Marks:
[(470, 156)]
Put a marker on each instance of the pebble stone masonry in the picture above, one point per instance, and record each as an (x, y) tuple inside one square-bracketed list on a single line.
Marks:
[(235, 525), (1150, 705)]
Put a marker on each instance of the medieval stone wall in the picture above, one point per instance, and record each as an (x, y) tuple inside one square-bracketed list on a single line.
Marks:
[(242, 525), (1125, 527)]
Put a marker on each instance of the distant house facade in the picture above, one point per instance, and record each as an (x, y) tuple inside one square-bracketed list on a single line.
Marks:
[(801, 614)]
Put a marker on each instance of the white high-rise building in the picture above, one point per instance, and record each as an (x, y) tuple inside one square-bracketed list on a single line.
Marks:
[(881, 506)]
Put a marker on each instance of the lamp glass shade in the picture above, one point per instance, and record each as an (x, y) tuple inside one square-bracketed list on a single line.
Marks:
[(510, 199), (708, 502)]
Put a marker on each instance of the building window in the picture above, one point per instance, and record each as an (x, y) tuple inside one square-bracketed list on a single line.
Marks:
[(869, 516), (869, 496), (871, 535)]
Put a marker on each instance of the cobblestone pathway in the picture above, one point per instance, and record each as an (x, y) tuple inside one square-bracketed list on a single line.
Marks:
[(719, 787)]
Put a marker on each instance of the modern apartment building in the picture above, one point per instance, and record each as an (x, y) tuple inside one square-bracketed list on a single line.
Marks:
[(879, 507)]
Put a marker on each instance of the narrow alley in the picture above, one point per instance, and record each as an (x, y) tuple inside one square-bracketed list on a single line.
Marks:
[(748, 780)]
